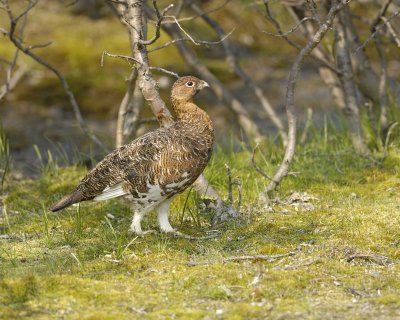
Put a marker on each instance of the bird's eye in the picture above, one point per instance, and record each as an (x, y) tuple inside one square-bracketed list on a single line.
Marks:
[(189, 84)]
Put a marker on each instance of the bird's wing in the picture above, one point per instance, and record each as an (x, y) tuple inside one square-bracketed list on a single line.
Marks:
[(112, 176), (163, 160)]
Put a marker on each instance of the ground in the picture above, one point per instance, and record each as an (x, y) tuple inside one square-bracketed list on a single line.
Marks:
[(339, 241)]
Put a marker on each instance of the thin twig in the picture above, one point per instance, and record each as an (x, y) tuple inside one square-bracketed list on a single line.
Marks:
[(285, 34), (37, 46), (160, 18), (239, 184), (362, 46), (317, 55), (297, 266), (180, 235), (200, 42), (392, 31), (230, 197), (313, 8), (119, 56), (378, 259), (183, 30), (277, 26), (207, 12), (171, 73), (12, 82), (242, 258), (258, 169)]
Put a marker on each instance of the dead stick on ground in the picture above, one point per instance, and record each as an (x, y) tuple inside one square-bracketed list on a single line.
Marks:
[(242, 258), (378, 259), (297, 266)]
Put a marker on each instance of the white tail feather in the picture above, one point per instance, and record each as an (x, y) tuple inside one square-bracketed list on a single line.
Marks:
[(111, 192)]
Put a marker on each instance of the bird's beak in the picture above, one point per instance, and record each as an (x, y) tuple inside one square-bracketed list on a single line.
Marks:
[(203, 85)]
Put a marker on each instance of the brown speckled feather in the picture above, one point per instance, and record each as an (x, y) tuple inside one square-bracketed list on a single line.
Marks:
[(157, 165)]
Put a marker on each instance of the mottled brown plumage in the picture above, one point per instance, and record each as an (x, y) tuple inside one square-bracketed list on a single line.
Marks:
[(152, 169)]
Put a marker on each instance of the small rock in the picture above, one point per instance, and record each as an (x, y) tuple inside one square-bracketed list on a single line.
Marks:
[(110, 216), (218, 312), (376, 274)]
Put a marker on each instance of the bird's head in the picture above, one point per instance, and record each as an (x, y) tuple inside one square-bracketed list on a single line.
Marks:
[(185, 88)]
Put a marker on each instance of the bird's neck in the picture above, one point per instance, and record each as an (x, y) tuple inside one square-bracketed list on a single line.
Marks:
[(188, 112)]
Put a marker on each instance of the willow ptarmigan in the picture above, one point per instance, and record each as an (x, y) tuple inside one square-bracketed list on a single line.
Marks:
[(152, 169)]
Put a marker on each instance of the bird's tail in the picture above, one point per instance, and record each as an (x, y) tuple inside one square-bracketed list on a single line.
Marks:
[(68, 200)]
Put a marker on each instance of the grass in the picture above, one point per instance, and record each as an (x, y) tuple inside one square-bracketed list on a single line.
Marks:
[(83, 264)]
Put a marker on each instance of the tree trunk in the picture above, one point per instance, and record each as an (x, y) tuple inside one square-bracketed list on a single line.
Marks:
[(351, 109)]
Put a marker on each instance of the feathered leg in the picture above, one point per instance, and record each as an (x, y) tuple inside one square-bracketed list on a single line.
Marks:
[(162, 214), (136, 226)]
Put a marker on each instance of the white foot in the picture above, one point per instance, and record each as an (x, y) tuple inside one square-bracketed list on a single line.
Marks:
[(143, 233)]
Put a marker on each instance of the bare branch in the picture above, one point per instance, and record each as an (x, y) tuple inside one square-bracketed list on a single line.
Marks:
[(200, 42), (239, 184), (292, 30), (18, 44), (277, 26), (316, 54), (171, 73), (183, 30), (230, 197), (351, 110), (36, 46), (12, 81), (377, 29), (392, 31), (207, 12), (235, 66), (383, 87), (126, 107), (305, 51), (119, 56), (160, 18)]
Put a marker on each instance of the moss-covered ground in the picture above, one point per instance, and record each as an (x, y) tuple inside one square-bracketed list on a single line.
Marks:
[(83, 264)]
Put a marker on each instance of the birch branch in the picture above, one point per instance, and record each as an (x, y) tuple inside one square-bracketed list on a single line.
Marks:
[(293, 75), (351, 110), (236, 67)]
